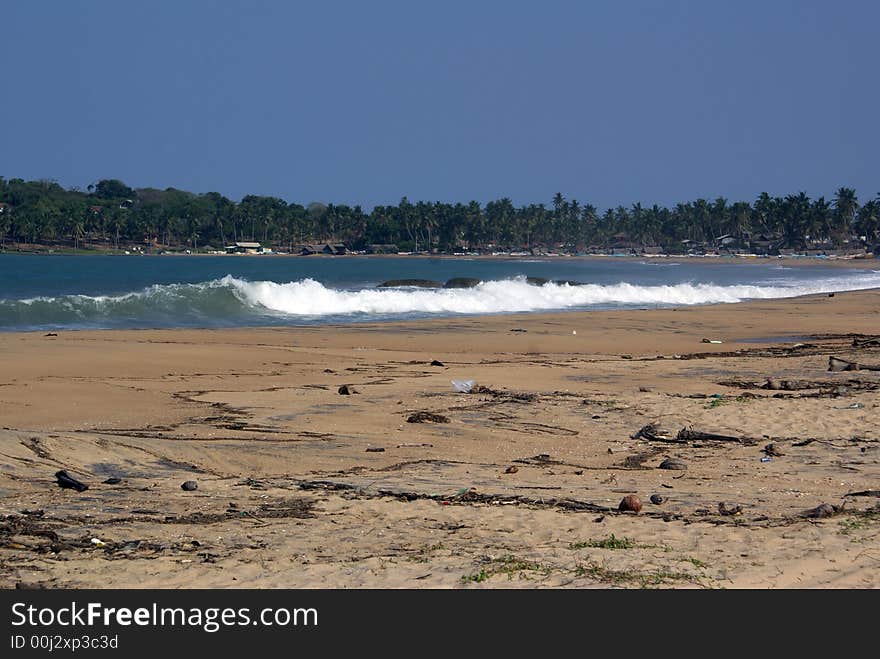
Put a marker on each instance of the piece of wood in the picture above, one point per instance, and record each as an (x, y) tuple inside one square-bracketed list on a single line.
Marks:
[(837, 364), (863, 493), (689, 435)]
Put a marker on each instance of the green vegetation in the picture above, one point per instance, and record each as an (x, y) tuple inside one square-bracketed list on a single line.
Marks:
[(424, 554), (657, 577), (508, 565), (110, 214), (611, 542), (860, 521)]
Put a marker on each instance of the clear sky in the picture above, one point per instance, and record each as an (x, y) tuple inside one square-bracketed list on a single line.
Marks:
[(608, 102)]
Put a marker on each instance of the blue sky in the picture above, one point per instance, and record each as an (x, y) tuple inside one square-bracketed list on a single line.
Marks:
[(365, 102)]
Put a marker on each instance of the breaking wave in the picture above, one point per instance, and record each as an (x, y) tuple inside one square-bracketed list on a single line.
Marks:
[(231, 301)]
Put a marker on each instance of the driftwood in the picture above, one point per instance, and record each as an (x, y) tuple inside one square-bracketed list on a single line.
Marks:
[(689, 434), (772, 384), (863, 493), (804, 388), (67, 481), (652, 433), (873, 342), (821, 511), (724, 510), (427, 417), (522, 397), (838, 364)]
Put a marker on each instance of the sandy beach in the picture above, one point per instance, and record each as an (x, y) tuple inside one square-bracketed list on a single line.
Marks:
[(515, 484)]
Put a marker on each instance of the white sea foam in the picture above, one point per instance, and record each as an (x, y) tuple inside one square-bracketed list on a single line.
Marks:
[(311, 298)]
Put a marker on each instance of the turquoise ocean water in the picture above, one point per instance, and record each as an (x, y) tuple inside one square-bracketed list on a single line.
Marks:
[(88, 292)]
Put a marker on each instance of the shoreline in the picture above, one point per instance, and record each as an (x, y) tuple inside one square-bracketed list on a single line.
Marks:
[(867, 262)]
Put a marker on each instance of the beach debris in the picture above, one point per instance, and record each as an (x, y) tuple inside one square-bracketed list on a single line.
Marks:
[(189, 486), (873, 342), (714, 341), (511, 470), (415, 446), (838, 364), (656, 499), (427, 417), (113, 480), (724, 510), (463, 386), (518, 329), (574, 332), (689, 434), (819, 388), (50, 334), (630, 503), (766, 459), (653, 433), (650, 432), (98, 542), (636, 460), (347, 390), (437, 362), (673, 464), (508, 396), (821, 511), (771, 450), (863, 493), (66, 481), (645, 390), (851, 406), (831, 295), (375, 449)]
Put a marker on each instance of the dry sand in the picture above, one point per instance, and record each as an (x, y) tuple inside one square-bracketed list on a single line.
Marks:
[(290, 496)]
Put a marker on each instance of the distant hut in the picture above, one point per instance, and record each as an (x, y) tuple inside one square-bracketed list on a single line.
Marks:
[(315, 248), (244, 248), (765, 244)]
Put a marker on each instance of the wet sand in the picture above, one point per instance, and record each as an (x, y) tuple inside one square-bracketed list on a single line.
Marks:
[(520, 488)]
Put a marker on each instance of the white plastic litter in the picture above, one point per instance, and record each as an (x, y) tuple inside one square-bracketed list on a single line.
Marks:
[(463, 386)]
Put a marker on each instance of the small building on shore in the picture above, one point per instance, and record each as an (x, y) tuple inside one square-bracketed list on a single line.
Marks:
[(244, 248), (322, 248)]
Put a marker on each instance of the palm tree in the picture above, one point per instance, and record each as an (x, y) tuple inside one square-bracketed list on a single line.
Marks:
[(820, 223), (868, 221), (846, 205), (79, 231)]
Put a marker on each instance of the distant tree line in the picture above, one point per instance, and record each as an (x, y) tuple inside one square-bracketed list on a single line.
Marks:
[(111, 214)]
